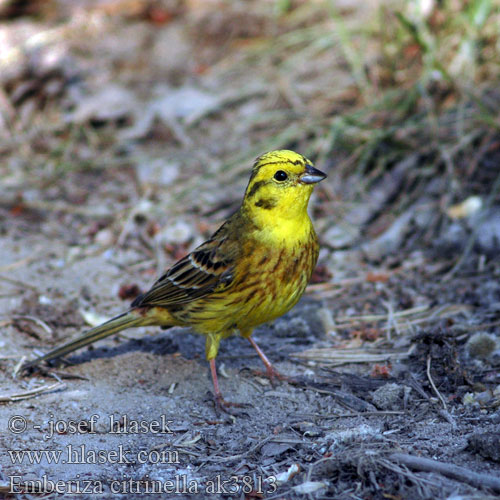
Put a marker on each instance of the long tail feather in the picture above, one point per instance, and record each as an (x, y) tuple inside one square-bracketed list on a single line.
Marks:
[(125, 320)]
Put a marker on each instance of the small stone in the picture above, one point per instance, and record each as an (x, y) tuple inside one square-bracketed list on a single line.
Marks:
[(467, 208), (487, 444), (468, 399), (483, 398), (389, 397), (482, 345), (309, 487), (104, 237)]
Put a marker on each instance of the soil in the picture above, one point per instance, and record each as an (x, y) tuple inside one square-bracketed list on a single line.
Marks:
[(382, 355)]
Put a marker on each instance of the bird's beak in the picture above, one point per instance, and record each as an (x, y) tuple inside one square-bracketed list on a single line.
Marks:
[(312, 175)]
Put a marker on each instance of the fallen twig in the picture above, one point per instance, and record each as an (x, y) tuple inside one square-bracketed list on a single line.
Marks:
[(9, 398), (18, 283), (18, 366), (433, 385), (365, 278), (19, 263), (477, 479), (240, 455), (348, 400), (444, 412), (330, 355), (474, 328), (364, 414), (37, 321), (423, 314)]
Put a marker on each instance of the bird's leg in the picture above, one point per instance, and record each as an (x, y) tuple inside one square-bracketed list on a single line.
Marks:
[(220, 402), (213, 371), (271, 372), (211, 349)]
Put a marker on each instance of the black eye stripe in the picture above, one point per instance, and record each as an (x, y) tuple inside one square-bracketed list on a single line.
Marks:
[(280, 175)]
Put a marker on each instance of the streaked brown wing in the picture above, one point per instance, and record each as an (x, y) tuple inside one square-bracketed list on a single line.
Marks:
[(207, 268)]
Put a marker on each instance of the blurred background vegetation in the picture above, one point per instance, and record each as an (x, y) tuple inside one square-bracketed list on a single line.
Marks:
[(398, 101)]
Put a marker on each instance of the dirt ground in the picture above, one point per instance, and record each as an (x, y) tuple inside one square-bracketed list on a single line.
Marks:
[(122, 153)]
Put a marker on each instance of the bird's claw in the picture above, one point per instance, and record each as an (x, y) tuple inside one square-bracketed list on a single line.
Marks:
[(273, 375), (221, 405)]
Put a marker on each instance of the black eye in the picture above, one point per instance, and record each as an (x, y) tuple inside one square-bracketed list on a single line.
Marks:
[(280, 175)]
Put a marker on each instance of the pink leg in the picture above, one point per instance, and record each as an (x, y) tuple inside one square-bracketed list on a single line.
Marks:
[(271, 371), (220, 402)]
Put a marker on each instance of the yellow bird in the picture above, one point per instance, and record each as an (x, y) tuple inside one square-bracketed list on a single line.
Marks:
[(252, 270)]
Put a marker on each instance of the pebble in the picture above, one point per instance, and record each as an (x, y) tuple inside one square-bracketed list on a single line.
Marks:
[(389, 397), (487, 444), (482, 345), (104, 237)]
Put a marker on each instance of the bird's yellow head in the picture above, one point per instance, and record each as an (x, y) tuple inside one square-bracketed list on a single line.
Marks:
[(280, 187)]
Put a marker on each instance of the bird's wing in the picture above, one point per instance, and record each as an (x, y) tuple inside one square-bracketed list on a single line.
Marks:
[(206, 269)]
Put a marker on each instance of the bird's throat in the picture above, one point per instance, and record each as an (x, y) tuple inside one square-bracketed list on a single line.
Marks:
[(281, 228)]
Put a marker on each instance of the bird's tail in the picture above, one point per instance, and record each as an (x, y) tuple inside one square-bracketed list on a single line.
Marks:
[(120, 322)]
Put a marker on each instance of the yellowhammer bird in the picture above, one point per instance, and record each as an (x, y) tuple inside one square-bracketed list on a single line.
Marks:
[(253, 269)]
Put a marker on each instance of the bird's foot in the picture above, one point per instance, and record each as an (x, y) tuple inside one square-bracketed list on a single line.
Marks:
[(221, 405), (273, 375)]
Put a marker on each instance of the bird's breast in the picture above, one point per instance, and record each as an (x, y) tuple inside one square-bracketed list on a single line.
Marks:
[(268, 281), (275, 280)]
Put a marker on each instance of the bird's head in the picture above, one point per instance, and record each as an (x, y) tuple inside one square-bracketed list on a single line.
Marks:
[(280, 186)]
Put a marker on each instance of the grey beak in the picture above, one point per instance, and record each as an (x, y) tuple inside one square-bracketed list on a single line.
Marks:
[(312, 175)]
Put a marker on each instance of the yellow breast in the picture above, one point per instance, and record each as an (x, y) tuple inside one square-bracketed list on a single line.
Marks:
[(265, 287)]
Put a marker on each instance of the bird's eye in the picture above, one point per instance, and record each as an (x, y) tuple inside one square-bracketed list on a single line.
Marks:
[(280, 175)]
